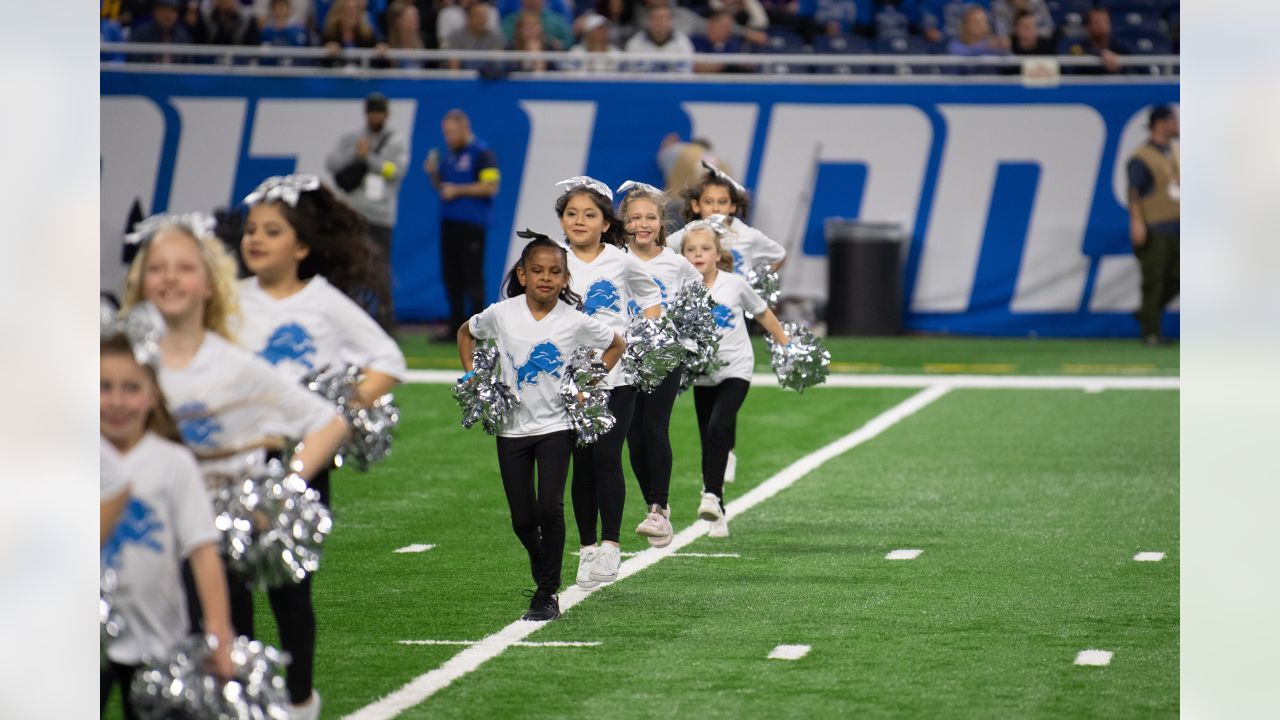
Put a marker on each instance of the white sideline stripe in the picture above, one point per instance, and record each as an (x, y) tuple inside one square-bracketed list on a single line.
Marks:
[(427, 684), (1094, 657), (1089, 383), (415, 548), (903, 555), (1149, 556), (689, 554), (548, 644), (789, 652)]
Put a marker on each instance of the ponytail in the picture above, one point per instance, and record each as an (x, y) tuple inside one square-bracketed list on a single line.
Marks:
[(513, 286)]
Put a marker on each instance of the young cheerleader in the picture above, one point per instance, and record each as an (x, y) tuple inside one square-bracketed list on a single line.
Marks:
[(718, 397), (168, 518), (310, 254), (231, 406), (649, 440), (537, 329), (608, 280)]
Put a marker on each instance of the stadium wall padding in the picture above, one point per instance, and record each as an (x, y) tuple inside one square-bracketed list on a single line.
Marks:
[(1013, 197)]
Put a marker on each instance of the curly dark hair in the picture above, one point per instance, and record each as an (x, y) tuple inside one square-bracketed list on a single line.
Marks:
[(741, 202), (515, 289), (614, 233)]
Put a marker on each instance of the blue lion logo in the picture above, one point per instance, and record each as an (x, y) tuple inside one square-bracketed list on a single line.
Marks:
[(545, 357), (289, 342), (724, 317), (739, 265), (138, 524), (633, 308), (602, 295), (197, 426)]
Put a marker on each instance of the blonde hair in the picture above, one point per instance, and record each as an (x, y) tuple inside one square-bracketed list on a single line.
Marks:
[(659, 201), (725, 259), (223, 304)]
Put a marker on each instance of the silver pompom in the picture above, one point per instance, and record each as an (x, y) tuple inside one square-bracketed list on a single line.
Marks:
[(110, 622), (764, 280), (585, 399), (483, 397), (802, 363), (653, 351), (372, 427), (143, 326), (180, 688), (273, 525), (695, 325)]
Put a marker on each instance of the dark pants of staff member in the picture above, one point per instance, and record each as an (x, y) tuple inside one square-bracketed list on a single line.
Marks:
[(384, 312), (1160, 270), (537, 507), (462, 265)]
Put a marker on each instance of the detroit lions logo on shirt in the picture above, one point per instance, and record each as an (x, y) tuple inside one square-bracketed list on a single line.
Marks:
[(739, 267), (724, 317), (197, 426), (545, 357), (633, 308), (138, 525), (292, 342), (602, 295)]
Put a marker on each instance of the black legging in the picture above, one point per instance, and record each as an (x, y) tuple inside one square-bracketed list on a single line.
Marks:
[(537, 515), (462, 268), (649, 440), (599, 487), (115, 673), (717, 407)]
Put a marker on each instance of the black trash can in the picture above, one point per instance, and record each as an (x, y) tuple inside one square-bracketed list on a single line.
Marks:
[(864, 277)]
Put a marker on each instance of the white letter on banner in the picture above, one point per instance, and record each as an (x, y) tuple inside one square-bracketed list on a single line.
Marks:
[(309, 129), (208, 152), (893, 141), (730, 127), (559, 136), (1066, 142), (132, 141)]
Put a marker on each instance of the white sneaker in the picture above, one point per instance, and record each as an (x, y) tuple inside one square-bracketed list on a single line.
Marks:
[(656, 528), (719, 528), (309, 710), (710, 507), (585, 558), (604, 566), (731, 468)]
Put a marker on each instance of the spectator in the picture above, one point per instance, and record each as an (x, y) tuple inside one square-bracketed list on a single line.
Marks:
[(595, 52), (563, 8), (623, 19), (477, 34), (553, 24), (110, 31), (467, 183), (1027, 39), (193, 19), (230, 26), (746, 13), (785, 13), (718, 39), (941, 19), (683, 19), (1155, 202), (834, 17), (373, 10), (164, 28), (1097, 41), (681, 164), (530, 37), (660, 36), (129, 13), (299, 11), (280, 29), (404, 32), (347, 26), (368, 166), (453, 17), (1006, 12), (975, 37), (895, 18)]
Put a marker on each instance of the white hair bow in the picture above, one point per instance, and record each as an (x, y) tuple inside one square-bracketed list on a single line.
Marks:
[(582, 181), (283, 188), (142, 326), (715, 223), (721, 175), (642, 187), (197, 223)]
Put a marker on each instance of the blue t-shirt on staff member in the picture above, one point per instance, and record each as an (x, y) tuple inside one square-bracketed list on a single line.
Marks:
[(473, 163)]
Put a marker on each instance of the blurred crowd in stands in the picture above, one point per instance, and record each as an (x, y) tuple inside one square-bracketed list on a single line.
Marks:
[(597, 35)]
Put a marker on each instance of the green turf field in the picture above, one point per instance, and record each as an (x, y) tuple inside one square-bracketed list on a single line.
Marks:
[(1029, 506)]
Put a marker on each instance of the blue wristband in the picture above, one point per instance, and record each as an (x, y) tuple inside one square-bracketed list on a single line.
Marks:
[(470, 374)]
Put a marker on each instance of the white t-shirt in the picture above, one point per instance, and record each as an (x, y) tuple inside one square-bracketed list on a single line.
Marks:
[(750, 246), (533, 353), (315, 327), (732, 295), (671, 271), (610, 60), (227, 399), (168, 517), (608, 285), (112, 474), (678, 45)]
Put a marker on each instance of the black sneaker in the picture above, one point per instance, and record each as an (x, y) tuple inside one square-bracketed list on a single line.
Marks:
[(543, 606)]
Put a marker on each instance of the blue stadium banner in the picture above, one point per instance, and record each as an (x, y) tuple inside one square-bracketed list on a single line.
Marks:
[(1013, 198)]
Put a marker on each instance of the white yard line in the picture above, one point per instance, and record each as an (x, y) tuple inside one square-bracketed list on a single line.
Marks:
[(415, 548), (789, 652), (1088, 383), (1094, 657), (427, 684), (548, 644), (903, 554), (628, 554)]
